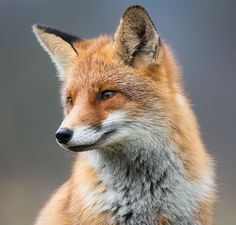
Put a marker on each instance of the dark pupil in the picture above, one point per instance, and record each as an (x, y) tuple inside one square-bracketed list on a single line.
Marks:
[(107, 94), (69, 100)]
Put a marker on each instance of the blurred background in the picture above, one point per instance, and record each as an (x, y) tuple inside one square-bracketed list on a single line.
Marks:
[(202, 34)]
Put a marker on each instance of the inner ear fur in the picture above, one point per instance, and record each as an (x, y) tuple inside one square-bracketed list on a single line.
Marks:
[(58, 44), (136, 38)]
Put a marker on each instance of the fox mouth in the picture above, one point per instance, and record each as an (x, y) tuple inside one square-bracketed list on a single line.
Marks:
[(99, 142)]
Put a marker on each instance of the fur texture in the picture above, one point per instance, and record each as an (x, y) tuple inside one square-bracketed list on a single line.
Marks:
[(141, 159)]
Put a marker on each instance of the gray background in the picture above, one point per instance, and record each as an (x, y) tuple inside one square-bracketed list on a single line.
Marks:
[(202, 34)]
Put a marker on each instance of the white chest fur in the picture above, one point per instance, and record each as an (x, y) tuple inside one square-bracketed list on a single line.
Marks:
[(142, 183)]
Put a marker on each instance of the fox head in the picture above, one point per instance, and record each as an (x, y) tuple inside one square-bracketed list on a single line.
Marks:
[(114, 89)]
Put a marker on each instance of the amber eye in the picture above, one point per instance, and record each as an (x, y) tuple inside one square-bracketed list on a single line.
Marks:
[(107, 94), (69, 101)]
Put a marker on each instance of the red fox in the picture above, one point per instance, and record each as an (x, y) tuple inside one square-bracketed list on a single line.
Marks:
[(140, 158)]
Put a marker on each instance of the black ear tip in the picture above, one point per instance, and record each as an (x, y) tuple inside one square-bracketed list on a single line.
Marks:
[(39, 27), (134, 8)]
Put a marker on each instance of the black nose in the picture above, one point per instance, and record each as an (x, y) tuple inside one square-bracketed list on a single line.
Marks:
[(63, 135)]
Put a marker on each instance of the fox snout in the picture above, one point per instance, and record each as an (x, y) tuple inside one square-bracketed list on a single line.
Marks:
[(83, 137), (79, 138)]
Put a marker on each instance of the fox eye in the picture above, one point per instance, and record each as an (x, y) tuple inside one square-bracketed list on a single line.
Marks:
[(69, 101), (107, 94)]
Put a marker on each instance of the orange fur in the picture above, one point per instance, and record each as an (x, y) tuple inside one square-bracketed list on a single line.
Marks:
[(93, 70), (67, 205), (205, 212), (55, 211), (163, 219), (83, 174)]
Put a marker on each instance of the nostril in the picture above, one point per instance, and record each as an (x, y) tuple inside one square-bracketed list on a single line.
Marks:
[(63, 135)]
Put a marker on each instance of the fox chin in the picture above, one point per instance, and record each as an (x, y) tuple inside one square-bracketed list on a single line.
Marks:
[(140, 158)]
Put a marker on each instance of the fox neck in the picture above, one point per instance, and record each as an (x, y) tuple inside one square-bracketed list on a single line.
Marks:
[(144, 180)]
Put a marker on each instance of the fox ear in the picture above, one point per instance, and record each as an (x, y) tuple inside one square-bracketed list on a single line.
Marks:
[(136, 38), (58, 44)]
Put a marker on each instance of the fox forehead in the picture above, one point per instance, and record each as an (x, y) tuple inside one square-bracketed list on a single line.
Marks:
[(95, 67), (95, 62), (98, 67)]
